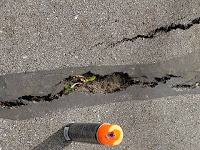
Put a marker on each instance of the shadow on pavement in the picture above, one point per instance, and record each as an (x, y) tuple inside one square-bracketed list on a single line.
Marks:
[(54, 142)]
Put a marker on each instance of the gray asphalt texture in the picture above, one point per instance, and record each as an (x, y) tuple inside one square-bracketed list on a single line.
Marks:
[(50, 34), (164, 123), (46, 35)]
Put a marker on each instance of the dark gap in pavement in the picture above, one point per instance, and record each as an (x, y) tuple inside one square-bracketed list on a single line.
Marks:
[(188, 86), (110, 83), (7, 104), (153, 33)]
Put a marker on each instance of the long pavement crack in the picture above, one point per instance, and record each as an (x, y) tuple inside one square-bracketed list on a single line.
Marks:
[(153, 33), (187, 86), (110, 83)]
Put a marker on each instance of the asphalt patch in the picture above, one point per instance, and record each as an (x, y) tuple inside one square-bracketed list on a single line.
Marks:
[(110, 83)]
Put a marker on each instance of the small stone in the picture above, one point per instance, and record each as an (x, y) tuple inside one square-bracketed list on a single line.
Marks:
[(76, 17), (24, 57)]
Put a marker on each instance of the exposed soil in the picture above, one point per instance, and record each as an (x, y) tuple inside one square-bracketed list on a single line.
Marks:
[(104, 84)]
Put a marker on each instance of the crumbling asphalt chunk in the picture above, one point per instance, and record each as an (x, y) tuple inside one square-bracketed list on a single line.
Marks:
[(110, 83)]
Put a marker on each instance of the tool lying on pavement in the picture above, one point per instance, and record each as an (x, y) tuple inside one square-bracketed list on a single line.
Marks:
[(95, 133)]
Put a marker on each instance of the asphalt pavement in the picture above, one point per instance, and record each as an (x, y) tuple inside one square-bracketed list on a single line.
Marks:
[(55, 34), (163, 123), (43, 42)]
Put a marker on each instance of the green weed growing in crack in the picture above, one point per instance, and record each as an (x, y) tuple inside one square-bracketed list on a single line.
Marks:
[(91, 79), (84, 81)]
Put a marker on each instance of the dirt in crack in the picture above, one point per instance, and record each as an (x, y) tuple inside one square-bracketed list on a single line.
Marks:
[(111, 83)]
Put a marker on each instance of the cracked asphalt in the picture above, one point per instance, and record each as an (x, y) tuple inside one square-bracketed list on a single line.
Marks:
[(48, 35), (43, 42)]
